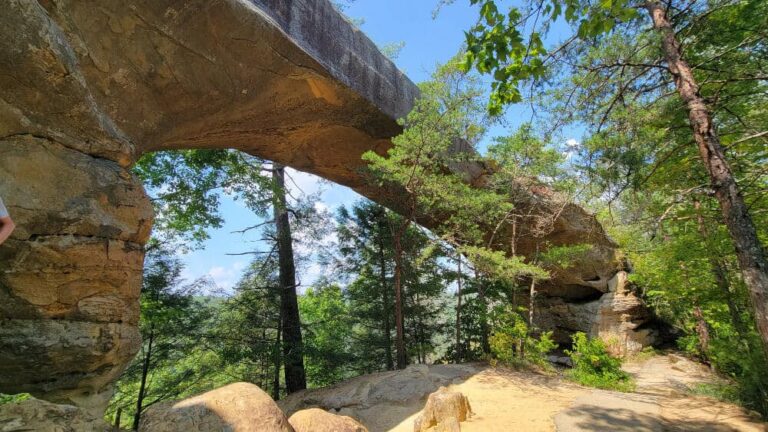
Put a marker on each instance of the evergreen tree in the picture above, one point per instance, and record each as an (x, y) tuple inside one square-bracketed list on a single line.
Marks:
[(171, 363)]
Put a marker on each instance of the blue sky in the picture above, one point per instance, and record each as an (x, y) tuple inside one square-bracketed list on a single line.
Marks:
[(428, 42)]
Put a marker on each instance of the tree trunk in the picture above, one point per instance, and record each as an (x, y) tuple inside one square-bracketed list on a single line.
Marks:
[(402, 357), (531, 303), (118, 415), (144, 374), (459, 354), (702, 331), (385, 305), (293, 349), (276, 361), (749, 250)]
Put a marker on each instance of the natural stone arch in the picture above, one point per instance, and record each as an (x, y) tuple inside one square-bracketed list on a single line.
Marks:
[(88, 86)]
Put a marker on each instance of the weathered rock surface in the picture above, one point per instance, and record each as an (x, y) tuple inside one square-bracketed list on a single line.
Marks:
[(239, 407), (88, 86), (317, 420), (71, 273), (41, 416), (619, 317), (444, 411), (365, 398)]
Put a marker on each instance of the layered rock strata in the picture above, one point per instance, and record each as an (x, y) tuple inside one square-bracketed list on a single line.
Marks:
[(88, 86)]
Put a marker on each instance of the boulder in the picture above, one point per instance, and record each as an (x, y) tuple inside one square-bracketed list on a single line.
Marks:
[(238, 407), (364, 398), (41, 416), (443, 412), (317, 420)]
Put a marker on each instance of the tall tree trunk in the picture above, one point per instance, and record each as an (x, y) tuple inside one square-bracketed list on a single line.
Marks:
[(721, 276), (144, 373), (402, 357), (702, 331), (531, 304), (749, 250), (276, 360), (293, 349), (459, 353), (385, 305)]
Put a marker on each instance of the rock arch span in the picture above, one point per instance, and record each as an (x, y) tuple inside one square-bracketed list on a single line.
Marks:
[(88, 86)]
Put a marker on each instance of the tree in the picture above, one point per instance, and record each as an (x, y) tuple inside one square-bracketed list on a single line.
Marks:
[(499, 45), (293, 348), (439, 137), (247, 331), (328, 332), (185, 188), (365, 257), (171, 363)]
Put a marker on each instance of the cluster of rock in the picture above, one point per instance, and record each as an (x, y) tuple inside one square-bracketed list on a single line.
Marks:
[(243, 407), (238, 407)]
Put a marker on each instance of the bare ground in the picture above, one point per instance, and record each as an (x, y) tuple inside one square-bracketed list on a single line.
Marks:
[(505, 400)]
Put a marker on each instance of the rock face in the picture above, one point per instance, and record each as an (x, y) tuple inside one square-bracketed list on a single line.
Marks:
[(71, 274), (239, 407), (41, 416), (88, 86), (317, 420), (619, 317), (444, 411)]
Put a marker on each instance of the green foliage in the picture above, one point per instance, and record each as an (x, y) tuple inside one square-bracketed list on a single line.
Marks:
[(327, 331), (512, 343), (504, 46), (186, 185), (593, 366), (364, 259), (13, 398), (172, 361), (501, 266), (525, 154)]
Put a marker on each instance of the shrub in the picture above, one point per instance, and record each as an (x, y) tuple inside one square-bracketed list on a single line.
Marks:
[(593, 366), (14, 398), (511, 342)]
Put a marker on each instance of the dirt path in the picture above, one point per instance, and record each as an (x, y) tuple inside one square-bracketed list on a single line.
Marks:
[(505, 400)]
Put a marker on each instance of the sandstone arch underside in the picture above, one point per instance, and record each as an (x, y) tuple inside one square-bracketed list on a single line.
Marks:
[(88, 86)]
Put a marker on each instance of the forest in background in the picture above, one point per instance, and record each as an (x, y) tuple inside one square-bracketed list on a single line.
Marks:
[(400, 294)]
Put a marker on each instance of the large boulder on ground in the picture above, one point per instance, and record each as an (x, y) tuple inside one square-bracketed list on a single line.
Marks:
[(443, 412), (238, 407), (399, 393), (317, 420), (41, 416)]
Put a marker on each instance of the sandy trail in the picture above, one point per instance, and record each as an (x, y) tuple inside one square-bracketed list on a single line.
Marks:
[(504, 400)]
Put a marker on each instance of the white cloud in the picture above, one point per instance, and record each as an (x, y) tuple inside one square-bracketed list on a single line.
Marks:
[(571, 148), (225, 278)]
